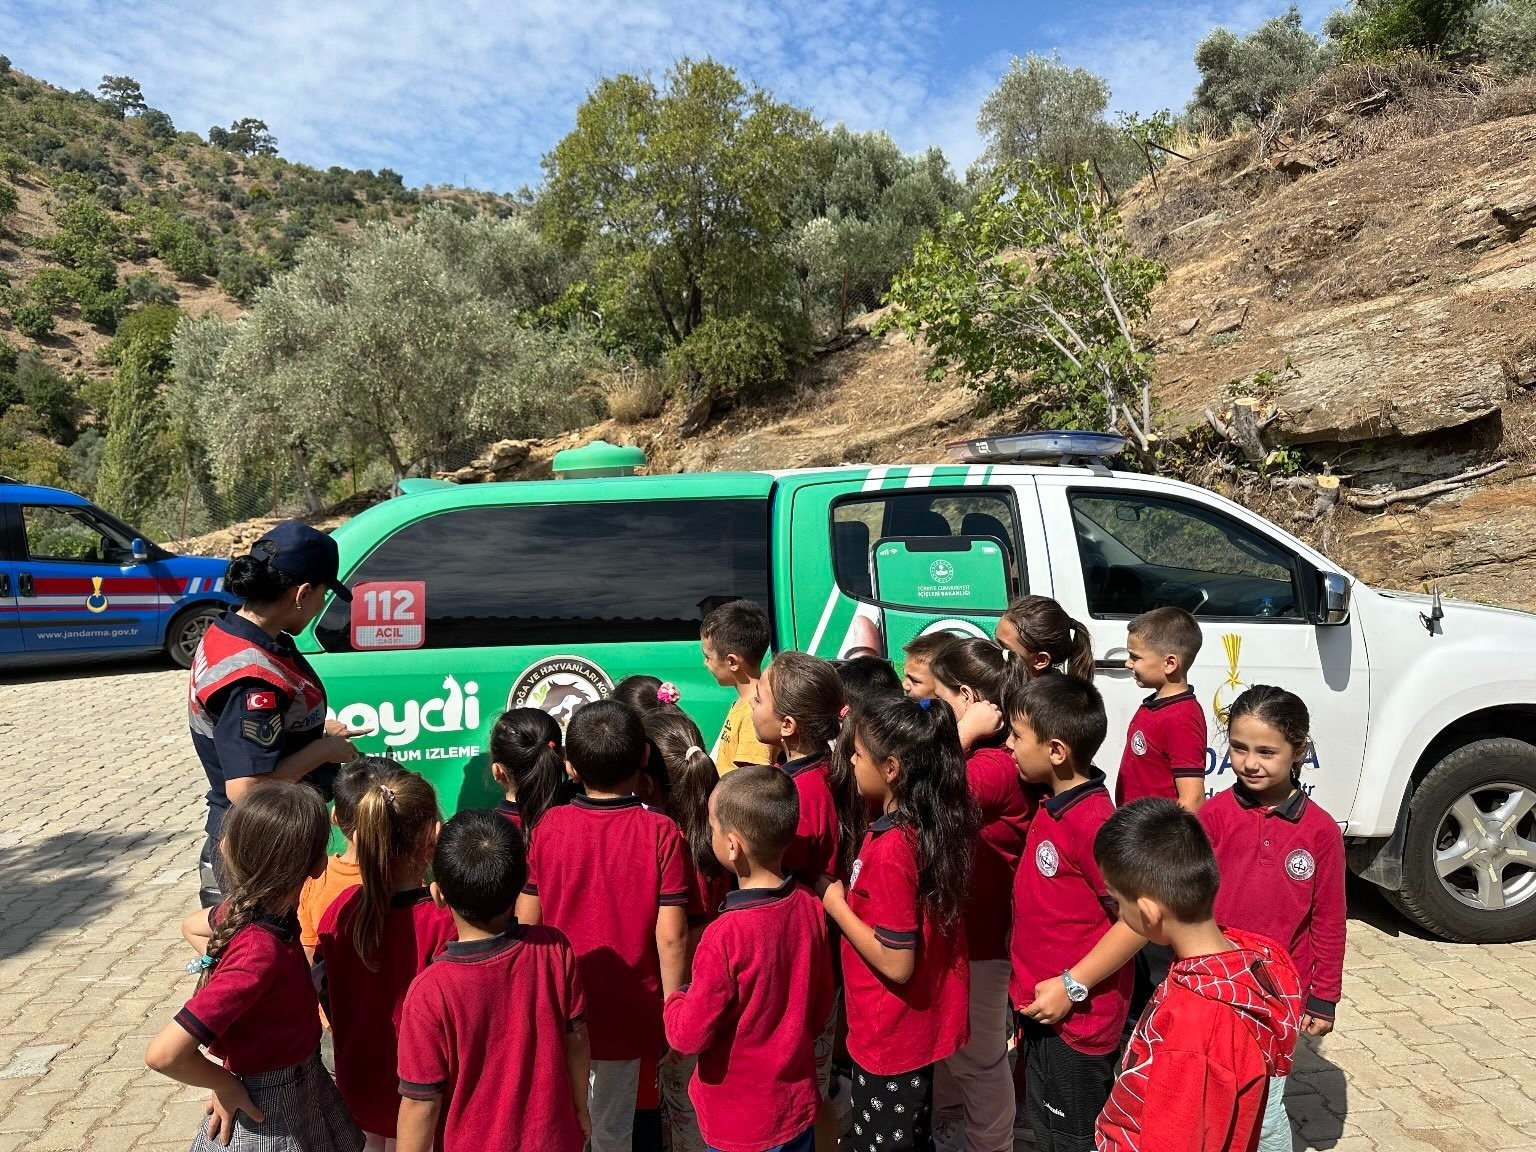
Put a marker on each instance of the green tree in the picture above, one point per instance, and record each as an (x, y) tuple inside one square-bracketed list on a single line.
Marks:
[(133, 463), (158, 126), (1509, 31), (679, 197), (247, 136), (1381, 27), (1043, 112), (10, 203), (26, 453), (1244, 78), (122, 93), (1035, 297), (53, 399), (34, 320)]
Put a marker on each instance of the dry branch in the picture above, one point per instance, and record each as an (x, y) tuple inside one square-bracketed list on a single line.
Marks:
[(1423, 491)]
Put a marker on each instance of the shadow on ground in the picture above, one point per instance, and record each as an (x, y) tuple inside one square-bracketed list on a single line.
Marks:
[(61, 882), (83, 669), (1370, 905)]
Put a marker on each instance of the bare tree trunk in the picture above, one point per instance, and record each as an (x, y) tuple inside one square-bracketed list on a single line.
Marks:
[(312, 501)]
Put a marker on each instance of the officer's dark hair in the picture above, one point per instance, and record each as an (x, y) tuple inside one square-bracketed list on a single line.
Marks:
[(1153, 848), (480, 865), (761, 804), (867, 679), (738, 628), (1059, 707), (256, 581), (605, 743)]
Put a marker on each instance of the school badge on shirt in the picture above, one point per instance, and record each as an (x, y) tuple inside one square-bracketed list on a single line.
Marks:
[(1139, 743), (1046, 859), (853, 877), (1299, 865)]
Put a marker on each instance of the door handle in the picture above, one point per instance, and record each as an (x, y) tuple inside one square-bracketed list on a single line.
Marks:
[(5, 584), (24, 582), (1114, 659)]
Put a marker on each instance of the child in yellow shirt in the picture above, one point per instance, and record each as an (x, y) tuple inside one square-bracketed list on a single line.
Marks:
[(735, 639)]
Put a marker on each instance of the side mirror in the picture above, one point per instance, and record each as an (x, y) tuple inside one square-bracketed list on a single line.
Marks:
[(140, 550), (1333, 598)]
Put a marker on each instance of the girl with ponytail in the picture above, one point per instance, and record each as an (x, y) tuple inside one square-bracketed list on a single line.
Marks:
[(528, 764), (905, 970), (1039, 632), (376, 939), (975, 1085), (255, 1008)]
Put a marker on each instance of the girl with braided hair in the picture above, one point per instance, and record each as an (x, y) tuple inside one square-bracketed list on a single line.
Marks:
[(255, 1007)]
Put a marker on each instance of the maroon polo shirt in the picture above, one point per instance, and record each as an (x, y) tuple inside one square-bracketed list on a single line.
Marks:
[(512, 812), (895, 1028), (1166, 741), (707, 892), (1282, 876), (1062, 908), (364, 1004), (813, 853), (760, 996), (1007, 805), (484, 1027), (603, 870), (258, 1012)]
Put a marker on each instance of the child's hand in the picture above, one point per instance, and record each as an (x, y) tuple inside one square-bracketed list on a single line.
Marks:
[(222, 1107), (584, 1118), (1315, 1025), (981, 720), (832, 892), (1051, 1003)]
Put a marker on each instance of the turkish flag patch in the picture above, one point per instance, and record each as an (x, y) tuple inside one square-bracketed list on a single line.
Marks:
[(260, 701)]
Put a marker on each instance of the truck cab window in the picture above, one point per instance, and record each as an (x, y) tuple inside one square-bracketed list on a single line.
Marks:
[(858, 523), (72, 535), (1142, 552)]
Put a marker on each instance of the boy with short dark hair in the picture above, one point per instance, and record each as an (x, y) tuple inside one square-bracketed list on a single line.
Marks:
[(735, 638), (762, 979), (1070, 978), (916, 677), (1198, 1068), (1165, 744), (492, 1045), (613, 876)]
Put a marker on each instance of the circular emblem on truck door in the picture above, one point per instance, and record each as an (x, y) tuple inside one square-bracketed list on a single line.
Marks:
[(559, 685), (1299, 865)]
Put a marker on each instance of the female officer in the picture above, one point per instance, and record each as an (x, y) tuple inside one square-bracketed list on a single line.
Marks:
[(256, 709)]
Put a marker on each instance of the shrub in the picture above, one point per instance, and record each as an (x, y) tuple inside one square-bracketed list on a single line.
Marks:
[(52, 288), (1382, 27), (151, 328), (53, 400), (730, 355), (102, 308), (32, 320), (636, 395), (1510, 32), (241, 274), (147, 288), (1246, 78), (10, 202)]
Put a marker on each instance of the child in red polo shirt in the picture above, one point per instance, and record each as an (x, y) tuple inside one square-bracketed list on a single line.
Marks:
[(975, 1085), (493, 1048), (692, 777), (1199, 1064), (1165, 744), (1282, 857), (613, 876), (762, 980), (905, 969), (375, 940), (528, 765), (1070, 977), (255, 1007)]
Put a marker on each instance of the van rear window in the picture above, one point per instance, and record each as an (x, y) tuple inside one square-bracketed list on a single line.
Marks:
[(632, 572)]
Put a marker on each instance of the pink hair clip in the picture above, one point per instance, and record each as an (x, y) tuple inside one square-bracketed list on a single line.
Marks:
[(842, 713), (668, 694)]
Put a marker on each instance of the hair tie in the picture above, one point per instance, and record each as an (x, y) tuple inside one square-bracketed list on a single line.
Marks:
[(842, 713), (925, 703), (1007, 655), (201, 964), (668, 694), (555, 745), (389, 793), (692, 748)]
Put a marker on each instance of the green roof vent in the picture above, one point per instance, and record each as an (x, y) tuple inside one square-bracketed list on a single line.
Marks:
[(598, 458)]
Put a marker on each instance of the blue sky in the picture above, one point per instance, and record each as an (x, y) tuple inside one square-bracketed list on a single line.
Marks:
[(475, 91)]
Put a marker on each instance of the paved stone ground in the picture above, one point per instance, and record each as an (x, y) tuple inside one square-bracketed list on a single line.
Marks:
[(99, 830)]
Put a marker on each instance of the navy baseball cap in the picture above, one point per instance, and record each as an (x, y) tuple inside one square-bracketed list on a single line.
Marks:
[(304, 553)]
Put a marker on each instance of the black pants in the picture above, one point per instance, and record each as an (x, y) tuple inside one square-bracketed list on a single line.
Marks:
[(1064, 1090), (210, 874), (892, 1113)]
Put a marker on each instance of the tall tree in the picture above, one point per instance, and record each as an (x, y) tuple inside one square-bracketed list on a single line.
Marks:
[(132, 476), (247, 136), (1245, 78), (1043, 112), (122, 93), (1380, 27)]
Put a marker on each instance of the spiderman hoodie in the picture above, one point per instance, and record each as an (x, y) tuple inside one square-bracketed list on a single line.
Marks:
[(1196, 1073)]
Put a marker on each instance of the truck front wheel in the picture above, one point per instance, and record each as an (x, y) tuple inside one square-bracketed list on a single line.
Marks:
[(1469, 859)]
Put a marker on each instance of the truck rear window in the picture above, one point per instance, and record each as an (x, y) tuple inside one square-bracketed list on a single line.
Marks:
[(632, 572)]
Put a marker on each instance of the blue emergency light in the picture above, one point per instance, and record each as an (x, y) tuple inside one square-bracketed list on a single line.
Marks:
[(1086, 448)]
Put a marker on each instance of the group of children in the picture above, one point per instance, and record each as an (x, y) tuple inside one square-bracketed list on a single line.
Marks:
[(915, 875)]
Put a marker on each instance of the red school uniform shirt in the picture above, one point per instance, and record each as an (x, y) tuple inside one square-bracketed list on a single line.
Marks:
[(365, 1004), (258, 1012), (895, 1028), (484, 1027), (761, 993), (1165, 742), (1203, 1053), (708, 891), (1282, 876), (602, 870), (510, 810), (1007, 805), (813, 852), (1063, 907)]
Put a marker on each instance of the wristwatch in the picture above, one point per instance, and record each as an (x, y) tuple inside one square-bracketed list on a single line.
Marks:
[(1076, 992)]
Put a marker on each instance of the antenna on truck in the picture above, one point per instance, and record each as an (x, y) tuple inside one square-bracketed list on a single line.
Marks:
[(1081, 449)]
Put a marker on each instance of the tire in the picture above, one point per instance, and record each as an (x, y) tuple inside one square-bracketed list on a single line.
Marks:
[(182, 637), (1476, 802)]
